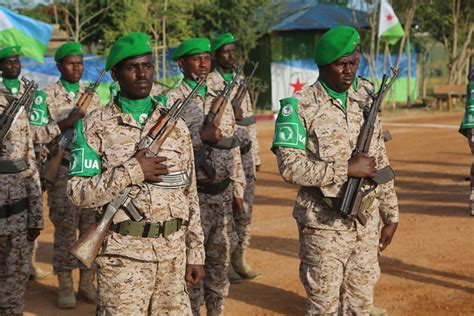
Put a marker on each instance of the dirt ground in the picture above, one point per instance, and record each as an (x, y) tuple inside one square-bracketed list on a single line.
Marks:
[(428, 269)]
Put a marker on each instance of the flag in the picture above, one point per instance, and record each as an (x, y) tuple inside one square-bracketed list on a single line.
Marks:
[(32, 35), (389, 25)]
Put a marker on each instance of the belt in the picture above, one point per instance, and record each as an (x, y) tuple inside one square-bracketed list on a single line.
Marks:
[(334, 202), (148, 230), (245, 149), (13, 166), (172, 180), (213, 188), (13, 209), (227, 143), (246, 121)]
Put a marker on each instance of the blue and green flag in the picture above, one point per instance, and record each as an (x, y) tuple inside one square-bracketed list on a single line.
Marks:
[(32, 35)]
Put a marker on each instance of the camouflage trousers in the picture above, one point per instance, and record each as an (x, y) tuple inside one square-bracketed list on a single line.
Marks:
[(470, 137), (67, 219), (219, 240), (338, 269), (243, 219), (128, 286), (14, 271)]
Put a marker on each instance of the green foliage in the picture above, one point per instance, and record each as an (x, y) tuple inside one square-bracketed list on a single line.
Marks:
[(41, 12)]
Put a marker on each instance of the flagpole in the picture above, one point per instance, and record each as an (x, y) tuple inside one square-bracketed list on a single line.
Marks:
[(377, 47)]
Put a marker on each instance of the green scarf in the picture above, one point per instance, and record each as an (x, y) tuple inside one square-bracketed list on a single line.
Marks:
[(13, 85), (192, 84), (139, 109), (341, 96), (228, 77), (70, 87)]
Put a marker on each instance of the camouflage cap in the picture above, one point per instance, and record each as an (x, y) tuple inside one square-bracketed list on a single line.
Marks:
[(339, 41), (69, 48), (222, 40), (130, 45), (192, 46), (10, 51)]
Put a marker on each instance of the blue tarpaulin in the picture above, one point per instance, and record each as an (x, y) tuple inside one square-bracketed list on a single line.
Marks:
[(310, 16)]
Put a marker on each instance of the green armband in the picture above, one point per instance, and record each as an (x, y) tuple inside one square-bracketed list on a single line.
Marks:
[(39, 115), (85, 162), (289, 131)]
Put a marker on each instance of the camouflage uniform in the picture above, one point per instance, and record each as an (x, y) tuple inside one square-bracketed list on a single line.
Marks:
[(14, 187), (470, 138), (139, 275), (339, 261), (250, 152), (216, 209), (64, 215)]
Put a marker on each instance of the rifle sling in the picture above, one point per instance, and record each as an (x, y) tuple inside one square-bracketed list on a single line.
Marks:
[(227, 143), (13, 166), (246, 121)]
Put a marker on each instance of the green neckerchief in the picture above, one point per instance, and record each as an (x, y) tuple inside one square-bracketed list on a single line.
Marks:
[(139, 109), (341, 96), (354, 83), (228, 77), (192, 84), (13, 85), (73, 88)]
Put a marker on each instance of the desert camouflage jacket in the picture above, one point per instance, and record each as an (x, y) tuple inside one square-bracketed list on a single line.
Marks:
[(18, 144), (113, 136), (227, 163), (331, 135)]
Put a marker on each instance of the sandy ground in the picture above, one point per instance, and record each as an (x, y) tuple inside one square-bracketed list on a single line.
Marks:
[(428, 269)]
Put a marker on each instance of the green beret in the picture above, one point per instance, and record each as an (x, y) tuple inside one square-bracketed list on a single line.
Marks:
[(70, 48), (130, 45), (192, 46), (222, 40), (10, 51), (339, 41)]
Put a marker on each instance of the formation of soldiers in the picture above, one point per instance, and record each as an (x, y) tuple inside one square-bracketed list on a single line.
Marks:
[(194, 194)]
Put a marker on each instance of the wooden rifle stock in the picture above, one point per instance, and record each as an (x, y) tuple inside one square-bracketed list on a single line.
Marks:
[(88, 245), (51, 168)]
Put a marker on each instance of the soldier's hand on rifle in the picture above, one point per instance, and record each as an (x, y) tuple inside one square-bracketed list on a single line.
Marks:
[(194, 273), (152, 167), (69, 121), (386, 235), (362, 166), (210, 134), (32, 233), (238, 113)]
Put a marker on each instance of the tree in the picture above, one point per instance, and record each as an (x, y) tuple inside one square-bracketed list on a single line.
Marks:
[(450, 22)]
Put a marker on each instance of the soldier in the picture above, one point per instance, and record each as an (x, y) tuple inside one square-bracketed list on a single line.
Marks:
[(48, 121), (220, 193), (314, 137), (10, 66), (21, 212), (139, 270), (224, 48)]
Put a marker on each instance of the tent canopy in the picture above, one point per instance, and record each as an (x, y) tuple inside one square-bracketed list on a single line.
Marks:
[(314, 16)]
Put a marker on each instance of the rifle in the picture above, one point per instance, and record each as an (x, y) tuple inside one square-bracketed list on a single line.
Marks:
[(243, 88), (88, 245), (16, 106), (214, 117), (353, 193), (51, 168)]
